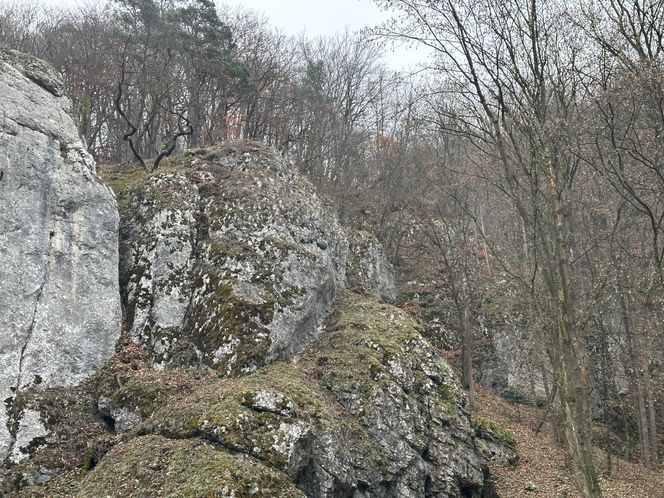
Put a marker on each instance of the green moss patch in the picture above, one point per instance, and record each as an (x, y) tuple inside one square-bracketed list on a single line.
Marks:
[(156, 466), (370, 345), (146, 391), (232, 332), (489, 429), (268, 414)]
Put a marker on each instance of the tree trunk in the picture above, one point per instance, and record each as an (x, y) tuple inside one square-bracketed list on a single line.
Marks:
[(649, 401), (467, 354), (573, 385), (635, 356)]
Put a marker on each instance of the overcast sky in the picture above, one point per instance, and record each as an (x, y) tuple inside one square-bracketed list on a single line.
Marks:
[(316, 16), (327, 17), (319, 17)]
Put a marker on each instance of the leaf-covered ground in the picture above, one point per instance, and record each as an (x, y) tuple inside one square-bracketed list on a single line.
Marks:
[(541, 471)]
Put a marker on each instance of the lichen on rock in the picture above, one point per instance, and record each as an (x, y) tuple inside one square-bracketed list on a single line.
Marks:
[(368, 409), (368, 271), (378, 366), (229, 258), (59, 302), (278, 416)]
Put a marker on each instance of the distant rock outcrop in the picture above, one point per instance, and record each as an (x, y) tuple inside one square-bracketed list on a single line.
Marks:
[(368, 271), (59, 299), (515, 365)]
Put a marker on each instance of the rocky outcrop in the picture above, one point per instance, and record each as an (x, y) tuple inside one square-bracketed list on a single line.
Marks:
[(368, 271), (516, 366), (495, 442), (231, 262), (367, 410), (157, 466), (59, 300), (229, 259)]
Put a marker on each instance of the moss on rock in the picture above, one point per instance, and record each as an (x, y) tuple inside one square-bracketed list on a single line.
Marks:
[(368, 409), (489, 429), (228, 257), (146, 391), (277, 415), (369, 272), (378, 344), (368, 406), (156, 466), (408, 400)]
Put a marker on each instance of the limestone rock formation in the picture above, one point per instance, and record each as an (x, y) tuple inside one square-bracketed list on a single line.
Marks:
[(368, 271), (59, 298), (367, 410), (512, 367), (229, 259)]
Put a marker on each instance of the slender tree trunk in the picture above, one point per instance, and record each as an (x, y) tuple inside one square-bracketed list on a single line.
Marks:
[(484, 239), (467, 354), (607, 390), (573, 386), (634, 348), (649, 401), (195, 112)]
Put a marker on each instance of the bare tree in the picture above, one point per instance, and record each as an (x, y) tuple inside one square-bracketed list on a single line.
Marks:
[(517, 89)]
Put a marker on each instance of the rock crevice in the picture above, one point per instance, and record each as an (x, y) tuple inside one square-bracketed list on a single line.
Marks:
[(59, 304)]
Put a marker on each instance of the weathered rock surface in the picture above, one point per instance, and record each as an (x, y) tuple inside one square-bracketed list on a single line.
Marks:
[(368, 270), (515, 367), (229, 259), (59, 298), (74, 436), (156, 466), (495, 442), (367, 410)]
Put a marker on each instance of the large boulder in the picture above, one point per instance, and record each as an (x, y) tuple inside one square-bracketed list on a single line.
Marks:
[(229, 258), (367, 410), (59, 298)]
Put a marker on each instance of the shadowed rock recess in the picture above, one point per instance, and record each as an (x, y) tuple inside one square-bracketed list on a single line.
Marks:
[(260, 359), (59, 302)]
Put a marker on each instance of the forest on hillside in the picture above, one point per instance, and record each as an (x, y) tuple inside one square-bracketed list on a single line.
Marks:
[(523, 164)]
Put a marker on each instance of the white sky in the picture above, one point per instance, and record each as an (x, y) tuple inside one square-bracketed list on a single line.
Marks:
[(327, 17), (317, 18)]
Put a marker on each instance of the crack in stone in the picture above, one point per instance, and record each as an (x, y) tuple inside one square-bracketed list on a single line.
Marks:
[(14, 413), (195, 252)]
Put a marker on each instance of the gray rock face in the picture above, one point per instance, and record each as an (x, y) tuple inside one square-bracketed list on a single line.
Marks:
[(367, 410), (404, 396), (516, 368), (369, 272), (229, 259), (59, 299)]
